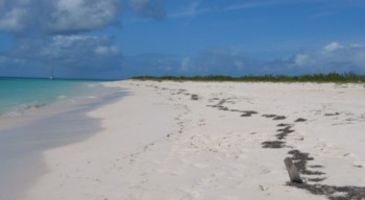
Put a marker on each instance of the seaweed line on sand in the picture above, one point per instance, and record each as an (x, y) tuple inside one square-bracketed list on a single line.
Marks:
[(313, 175)]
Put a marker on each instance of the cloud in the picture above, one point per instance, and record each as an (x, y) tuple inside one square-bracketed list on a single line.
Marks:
[(106, 50), (190, 11), (56, 34), (195, 8), (72, 45), (70, 16), (14, 15), (222, 61), (149, 8), (72, 56), (333, 57), (302, 60), (82, 15), (333, 46), (13, 20), (57, 16)]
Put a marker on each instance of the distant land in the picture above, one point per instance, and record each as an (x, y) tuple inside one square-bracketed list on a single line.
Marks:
[(318, 78)]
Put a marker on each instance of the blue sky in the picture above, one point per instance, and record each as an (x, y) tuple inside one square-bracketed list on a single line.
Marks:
[(121, 38)]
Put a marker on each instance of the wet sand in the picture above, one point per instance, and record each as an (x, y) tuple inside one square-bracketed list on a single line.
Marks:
[(24, 138)]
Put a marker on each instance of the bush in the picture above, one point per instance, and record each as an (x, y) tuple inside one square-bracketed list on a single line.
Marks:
[(320, 78)]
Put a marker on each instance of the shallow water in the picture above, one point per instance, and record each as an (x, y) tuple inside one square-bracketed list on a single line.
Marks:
[(60, 123), (19, 94)]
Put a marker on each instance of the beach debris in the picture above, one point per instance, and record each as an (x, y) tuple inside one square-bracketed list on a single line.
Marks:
[(292, 171), (297, 163), (301, 160), (194, 97)]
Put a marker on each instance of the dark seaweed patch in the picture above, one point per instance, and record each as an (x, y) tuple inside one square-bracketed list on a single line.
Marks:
[(274, 117), (316, 179), (220, 106), (315, 166), (300, 120), (224, 108), (331, 114), (273, 144), (284, 132), (333, 192), (301, 160), (194, 97), (269, 115), (283, 125), (248, 113), (279, 117)]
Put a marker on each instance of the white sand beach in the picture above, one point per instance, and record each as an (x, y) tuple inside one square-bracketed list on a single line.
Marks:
[(158, 143)]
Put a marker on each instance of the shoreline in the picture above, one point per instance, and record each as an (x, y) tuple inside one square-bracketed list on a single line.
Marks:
[(172, 140), (24, 138)]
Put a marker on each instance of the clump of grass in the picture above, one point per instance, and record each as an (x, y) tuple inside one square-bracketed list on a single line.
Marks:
[(320, 78)]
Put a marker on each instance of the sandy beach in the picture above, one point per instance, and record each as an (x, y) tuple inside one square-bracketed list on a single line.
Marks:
[(206, 140)]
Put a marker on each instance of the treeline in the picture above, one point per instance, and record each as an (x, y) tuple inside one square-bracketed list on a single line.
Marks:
[(322, 78)]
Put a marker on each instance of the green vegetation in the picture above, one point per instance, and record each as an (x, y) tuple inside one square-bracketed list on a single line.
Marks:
[(319, 78)]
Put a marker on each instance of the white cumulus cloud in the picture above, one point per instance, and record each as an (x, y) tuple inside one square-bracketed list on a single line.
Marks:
[(57, 16), (106, 50), (13, 20), (82, 15), (302, 59), (333, 57), (333, 46)]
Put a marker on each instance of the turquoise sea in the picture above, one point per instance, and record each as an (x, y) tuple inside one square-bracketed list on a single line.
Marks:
[(19, 94), (23, 140)]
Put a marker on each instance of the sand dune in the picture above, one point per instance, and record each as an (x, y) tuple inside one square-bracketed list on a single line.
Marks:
[(227, 142)]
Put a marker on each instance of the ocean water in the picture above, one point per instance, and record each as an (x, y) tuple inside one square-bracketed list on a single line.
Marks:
[(17, 95), (24, 138)]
